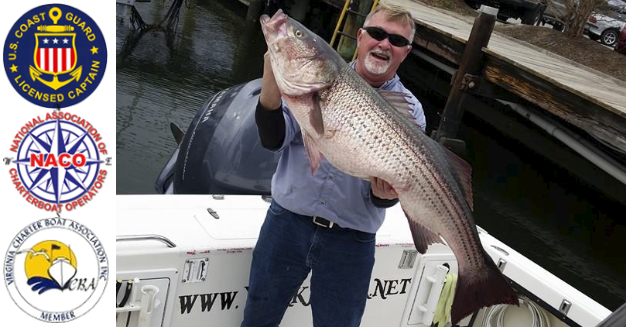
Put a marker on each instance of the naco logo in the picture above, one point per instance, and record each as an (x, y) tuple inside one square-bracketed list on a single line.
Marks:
[(64, 160), (59, 161)]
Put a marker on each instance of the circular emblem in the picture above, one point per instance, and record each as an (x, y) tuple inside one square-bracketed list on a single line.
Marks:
[(56, 269), (55, 56), (58, 161)]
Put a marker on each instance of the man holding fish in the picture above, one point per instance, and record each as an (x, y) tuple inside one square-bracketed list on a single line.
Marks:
[(352, 144), (326, 221)]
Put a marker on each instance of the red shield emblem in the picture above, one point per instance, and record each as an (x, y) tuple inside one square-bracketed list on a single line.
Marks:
[(55, 53)]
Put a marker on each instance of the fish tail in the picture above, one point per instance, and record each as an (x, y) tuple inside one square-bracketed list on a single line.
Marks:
[(490, 289)]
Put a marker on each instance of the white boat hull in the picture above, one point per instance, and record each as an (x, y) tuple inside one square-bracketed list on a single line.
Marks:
[(202, 280)]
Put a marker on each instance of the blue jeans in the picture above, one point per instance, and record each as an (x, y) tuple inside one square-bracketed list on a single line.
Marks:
[(289, 246)]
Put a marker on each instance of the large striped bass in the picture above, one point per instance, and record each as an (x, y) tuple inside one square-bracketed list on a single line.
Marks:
[(366, 134)]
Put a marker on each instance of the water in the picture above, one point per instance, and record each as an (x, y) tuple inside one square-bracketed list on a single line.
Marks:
[(165, 77), (521, 199), (541, 211)]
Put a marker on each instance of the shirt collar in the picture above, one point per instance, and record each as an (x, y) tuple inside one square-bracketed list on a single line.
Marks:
[(388, 85)]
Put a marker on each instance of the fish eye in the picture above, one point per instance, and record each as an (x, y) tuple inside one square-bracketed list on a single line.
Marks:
[(298, 33)]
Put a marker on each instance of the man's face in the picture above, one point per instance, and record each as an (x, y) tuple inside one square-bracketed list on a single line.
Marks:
[(379, 60)]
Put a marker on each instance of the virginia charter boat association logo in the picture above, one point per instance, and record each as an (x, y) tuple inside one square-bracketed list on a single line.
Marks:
[(58, 161), (45, 272), (55, 56), (56, 269)]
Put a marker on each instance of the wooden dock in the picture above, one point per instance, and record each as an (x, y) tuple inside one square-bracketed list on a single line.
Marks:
[(581, 96), (588, 99)]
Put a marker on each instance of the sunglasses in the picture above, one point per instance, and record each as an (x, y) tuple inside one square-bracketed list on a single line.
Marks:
[(380, 34)]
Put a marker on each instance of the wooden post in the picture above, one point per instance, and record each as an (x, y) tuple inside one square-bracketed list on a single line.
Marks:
[(470, 65)]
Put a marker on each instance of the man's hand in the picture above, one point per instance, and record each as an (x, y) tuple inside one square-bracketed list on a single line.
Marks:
[(382, 189), (270, 94)]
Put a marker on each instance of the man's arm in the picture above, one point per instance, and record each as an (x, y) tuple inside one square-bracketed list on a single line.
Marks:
[(382, 194), (269, 116), (271, 126)]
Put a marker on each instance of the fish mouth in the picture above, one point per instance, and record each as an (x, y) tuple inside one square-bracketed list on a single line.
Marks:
[(275, 27)]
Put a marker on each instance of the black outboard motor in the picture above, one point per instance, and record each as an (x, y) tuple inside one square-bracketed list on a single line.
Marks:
[(221, 152)]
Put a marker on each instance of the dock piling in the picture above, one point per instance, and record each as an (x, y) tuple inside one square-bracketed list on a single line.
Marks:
[(469, 69)]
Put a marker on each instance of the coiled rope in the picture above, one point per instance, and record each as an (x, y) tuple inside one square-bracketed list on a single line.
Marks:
[(497, 312)]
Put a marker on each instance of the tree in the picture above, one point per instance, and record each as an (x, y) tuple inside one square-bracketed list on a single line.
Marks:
[(574, 13), (578, 15)]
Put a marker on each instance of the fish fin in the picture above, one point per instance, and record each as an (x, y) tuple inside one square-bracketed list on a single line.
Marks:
[(460, 170), (462, 174), (314, 154), (399, 102), (489, 288), (315, 115), (422, 236)]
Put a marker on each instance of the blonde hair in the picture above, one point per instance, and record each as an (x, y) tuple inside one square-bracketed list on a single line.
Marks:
[(395, 14)]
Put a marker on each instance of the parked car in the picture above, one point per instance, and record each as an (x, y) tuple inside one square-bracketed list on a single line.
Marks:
[(620, 46), (605, 26), (555, 14)]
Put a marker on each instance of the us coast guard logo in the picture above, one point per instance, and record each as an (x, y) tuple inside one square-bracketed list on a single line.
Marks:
[(56, 269), (59, 161), (55, 56)]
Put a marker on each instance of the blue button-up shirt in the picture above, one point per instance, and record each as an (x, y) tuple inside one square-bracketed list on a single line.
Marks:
[(330, 193)]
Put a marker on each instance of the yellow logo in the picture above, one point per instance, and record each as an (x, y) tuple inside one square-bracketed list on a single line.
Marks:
[(49, 265), (55, 53)]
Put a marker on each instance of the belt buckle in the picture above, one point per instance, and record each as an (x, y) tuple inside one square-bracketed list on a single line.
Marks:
[(330, 223)]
